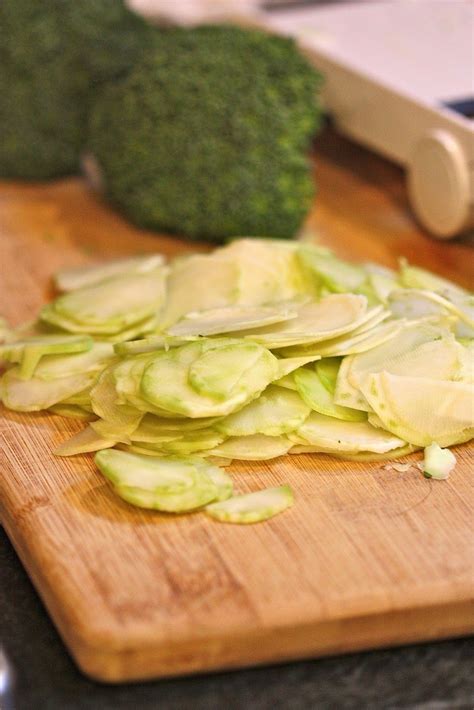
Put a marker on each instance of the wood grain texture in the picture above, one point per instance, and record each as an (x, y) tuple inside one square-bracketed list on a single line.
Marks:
[(367, 557)]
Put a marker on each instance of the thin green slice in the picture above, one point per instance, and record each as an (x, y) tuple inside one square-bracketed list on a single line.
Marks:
[(414, 277), (93, 360), (418, 303), (332, 316), (422, 410), (82, 276), (350, 344), (287, 365), (224, 371), (316, 396), (117, 420), (165, 382), (257, 447), (327, 370), (28, 352), (336, 275), (36, 394), (252, 507), (395, 355), (148, 345), (277, 411), (193, 442), (216, 276), (231, 318), (332, 434), (83, 442), (356, 455), (73, 411), (167, 475), (110, 306), (222, 481)]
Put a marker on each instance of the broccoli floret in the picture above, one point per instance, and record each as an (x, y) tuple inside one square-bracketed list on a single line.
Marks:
[(208, 136), (53, 54)]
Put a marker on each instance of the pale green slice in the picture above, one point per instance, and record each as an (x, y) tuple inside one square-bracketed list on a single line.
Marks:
[(257, 447), (217, 278), (166, 381), (167, 475), (287, 365), (375, 420), (222, 480), (422, 410), (142, 449), (277, 411), (346, 394), (81, 399), (170, 484), (123, 300), (148, 345), (35, 394), (337, 275), (464, 327), (397, 353), (332, 434), (50, 317), (165, 385), (316, 396), (83, 442), (81, 276), (196, 497), (109, 332), (128, 376), (151, 426), (52, 367), (140, 329), (268, 270), (466, 368), (437, 462), (193, 442), (112, 305), (327, 370), (414, 277), (288, 381), (362, 342), (349, 345), (382, 281), (332, 316), (28, 352), (354, 456), (413, 303), (232, 318), (373, 316), (117, 419), (224, 371), (74, 411), (252, 507)]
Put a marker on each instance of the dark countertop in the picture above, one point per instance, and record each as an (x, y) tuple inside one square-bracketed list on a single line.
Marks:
[(435, 676)]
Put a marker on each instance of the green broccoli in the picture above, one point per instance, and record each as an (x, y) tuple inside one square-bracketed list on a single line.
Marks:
[(208, 136), (53, 55)]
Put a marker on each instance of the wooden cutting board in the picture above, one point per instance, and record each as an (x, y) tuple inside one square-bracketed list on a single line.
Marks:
[(367, 557)]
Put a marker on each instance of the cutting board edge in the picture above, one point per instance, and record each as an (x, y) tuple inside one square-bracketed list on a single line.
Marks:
[(139, 665), (268, 645)]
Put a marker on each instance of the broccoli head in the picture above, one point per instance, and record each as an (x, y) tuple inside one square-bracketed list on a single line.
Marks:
[(53, 55), (208, 135)]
